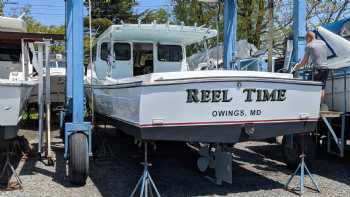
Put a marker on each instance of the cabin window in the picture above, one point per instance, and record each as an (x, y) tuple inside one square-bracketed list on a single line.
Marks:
[(169, 53), (94, 53), (104, 51), (10, 55), (122, 51)]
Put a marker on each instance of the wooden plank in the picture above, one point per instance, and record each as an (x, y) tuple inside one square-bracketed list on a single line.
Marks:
[(330, 114)]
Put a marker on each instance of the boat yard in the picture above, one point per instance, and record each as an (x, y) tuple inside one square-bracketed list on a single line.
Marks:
[(258, 166), (80, 116)]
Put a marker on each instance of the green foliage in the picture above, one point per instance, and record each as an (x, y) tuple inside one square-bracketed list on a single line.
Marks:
[(98, 25), (150, 15), (1, 8), (114, 10), (34, 26)]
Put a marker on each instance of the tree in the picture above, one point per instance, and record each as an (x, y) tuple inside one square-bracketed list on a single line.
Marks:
[(150, 15), (1, 8), (251, 15), (114, 10), (253, 20)]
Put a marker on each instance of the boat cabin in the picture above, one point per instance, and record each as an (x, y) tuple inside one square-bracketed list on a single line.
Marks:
[(137, 49)]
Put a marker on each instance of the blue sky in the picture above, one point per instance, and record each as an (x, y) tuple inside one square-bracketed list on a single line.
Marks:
[(51, 12)]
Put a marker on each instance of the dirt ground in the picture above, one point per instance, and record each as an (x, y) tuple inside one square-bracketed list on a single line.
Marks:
[(258, 170)]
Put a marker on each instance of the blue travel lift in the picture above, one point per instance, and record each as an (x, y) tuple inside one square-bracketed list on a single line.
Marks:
[(77, 133), (299, 27)]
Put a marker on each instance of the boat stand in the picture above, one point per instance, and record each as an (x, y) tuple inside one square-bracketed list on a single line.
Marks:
[(302, 167), (331, 134), (146, 183), (9, 165)]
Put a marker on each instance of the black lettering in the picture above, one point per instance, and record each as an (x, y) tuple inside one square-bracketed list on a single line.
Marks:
[(192, 96), (281, 95), (252, 112), (249, 94), (216, 96), (224, 97), (259, 97), (230, 112), (214, 113), (221, 113), (258, 112), (268, 96), (242, 113), (205, 96)]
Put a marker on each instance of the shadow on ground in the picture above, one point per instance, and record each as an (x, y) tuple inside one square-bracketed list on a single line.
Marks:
[(174, 170), (339, 170), (116, 169)]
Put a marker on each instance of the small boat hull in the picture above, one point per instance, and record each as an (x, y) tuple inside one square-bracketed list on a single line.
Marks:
[(208, 109), (336, 97), (12, 102), (57, 91)]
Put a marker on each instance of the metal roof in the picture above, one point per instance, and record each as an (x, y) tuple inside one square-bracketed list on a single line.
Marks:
[(15, 37), (158, 33)]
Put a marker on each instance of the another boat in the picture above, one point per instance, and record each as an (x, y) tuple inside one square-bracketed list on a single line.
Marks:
[(57, 78), (143, 83), (337, 89), (15, 87)]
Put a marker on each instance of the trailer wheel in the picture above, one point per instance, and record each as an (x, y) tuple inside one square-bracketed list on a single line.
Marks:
[(78, 159), (292, 152)]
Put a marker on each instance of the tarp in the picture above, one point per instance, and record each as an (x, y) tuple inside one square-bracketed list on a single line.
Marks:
[(339, 48), (341, 27), (244, 50)]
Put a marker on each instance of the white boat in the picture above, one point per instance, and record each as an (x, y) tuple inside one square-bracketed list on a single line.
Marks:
[(143, 83), (9, 24), (14, 87), (57, 79), (337, 90)]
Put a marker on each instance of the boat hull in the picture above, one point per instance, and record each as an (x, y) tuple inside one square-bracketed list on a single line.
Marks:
[(336, 97), (12, 102), (57, 91), (187, 110)]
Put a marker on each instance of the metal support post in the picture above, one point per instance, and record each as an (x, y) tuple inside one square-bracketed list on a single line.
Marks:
[(230, 30), (332, 135), (299, 29), (69, 49), (77, 131), (302, 167), (40, 97), (48, 103), (146, 183), (75, 71)]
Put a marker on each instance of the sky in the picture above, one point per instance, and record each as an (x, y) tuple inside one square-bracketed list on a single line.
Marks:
[(51, 12)]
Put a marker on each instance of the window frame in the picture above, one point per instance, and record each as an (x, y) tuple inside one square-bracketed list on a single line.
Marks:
[(100, 51), (115, 51), (170, 46)]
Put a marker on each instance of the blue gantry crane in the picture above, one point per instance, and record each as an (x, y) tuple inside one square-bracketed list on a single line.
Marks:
[(77, 132)]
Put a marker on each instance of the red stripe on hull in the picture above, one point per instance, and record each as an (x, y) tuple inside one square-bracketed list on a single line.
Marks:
[(228, 122)]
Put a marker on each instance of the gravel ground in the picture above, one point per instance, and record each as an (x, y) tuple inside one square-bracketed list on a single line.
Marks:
[(258, 170)]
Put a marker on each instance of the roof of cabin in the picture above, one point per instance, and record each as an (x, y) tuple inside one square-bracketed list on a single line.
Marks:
[(9, 24), (158, 33), (15, 37)]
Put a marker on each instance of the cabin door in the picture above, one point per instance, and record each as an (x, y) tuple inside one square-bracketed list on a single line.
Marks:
[(122, 63)]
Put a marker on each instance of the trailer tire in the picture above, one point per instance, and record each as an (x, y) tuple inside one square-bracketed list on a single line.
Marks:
[(78, 159)]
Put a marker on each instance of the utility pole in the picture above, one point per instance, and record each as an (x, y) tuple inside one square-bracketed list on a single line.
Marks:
[(270, 45)]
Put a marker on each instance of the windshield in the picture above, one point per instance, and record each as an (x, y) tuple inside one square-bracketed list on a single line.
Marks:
[(10, 55)]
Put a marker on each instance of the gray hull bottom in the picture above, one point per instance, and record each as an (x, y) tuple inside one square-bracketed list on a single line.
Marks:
[(8, 132), (216, 133)]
